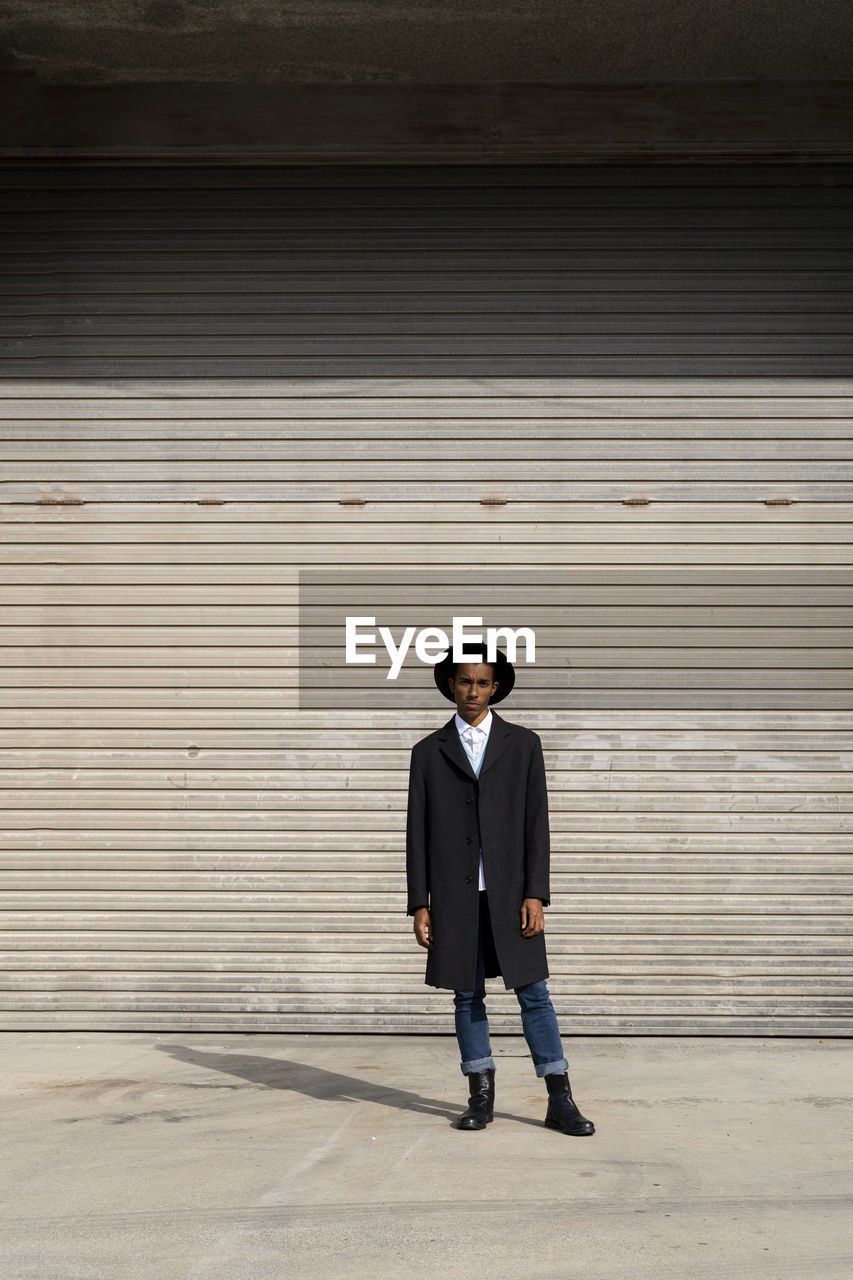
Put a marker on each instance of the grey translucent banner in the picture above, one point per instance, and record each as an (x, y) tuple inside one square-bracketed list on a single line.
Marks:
[(765, 638)]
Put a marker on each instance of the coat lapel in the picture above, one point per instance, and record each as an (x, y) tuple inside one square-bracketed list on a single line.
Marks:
[(453, 749), (497, 744), (498, 741)]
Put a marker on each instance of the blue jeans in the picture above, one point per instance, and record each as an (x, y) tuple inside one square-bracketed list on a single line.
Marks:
[(538, 1020)]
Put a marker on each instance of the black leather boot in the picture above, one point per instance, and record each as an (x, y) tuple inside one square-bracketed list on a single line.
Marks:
[(562, 1111), (481, 1103)]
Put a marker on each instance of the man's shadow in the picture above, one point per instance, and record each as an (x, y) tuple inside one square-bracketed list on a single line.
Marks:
[(317, 1082)]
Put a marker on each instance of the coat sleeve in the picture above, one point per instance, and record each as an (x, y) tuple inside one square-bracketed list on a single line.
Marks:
[(537, 839), (417, 874)]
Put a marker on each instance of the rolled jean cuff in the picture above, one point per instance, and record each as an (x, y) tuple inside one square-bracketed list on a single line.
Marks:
[(551, 1068), (478, 1064)]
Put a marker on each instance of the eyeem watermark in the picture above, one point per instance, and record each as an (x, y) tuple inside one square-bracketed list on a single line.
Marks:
[(432, 644)]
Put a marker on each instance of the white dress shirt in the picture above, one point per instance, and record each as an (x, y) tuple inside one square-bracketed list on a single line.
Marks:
[(475, 738)]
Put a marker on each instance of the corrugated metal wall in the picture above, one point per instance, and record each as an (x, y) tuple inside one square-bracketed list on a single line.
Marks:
[(630, 385)]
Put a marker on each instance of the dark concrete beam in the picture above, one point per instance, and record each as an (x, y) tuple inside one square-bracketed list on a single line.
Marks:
[(423, 123), (425, 41)]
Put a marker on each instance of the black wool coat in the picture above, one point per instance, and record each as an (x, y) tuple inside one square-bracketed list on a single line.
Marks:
[(450, 814)]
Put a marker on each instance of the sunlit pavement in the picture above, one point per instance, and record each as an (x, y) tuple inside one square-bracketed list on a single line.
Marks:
[(182, 1156)]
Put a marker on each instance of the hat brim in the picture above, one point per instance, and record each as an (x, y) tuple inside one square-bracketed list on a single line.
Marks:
[(504, 673)]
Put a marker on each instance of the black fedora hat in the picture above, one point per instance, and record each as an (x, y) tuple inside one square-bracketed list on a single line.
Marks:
[(504, 671)]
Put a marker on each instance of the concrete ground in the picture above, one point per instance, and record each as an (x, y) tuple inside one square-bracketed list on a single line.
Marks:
[(241, 1157)]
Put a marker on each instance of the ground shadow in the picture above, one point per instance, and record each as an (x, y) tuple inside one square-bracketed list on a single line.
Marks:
[(318, 1082)]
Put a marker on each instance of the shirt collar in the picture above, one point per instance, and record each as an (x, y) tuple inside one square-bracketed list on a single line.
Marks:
[(483, 727)]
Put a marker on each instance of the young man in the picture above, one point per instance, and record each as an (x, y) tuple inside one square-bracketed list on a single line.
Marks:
[(477, 863)]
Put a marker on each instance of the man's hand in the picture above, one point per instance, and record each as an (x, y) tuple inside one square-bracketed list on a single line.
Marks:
[(423, 928), (532, 917)]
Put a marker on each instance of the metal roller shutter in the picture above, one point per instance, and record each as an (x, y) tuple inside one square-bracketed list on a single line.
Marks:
[(631, 384)]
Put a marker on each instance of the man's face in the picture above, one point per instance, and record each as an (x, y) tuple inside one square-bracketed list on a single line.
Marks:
[(471, 688)]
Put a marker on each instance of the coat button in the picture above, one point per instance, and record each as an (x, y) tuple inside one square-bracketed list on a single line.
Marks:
[(470, 800), (468, 840), (468, 879)]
